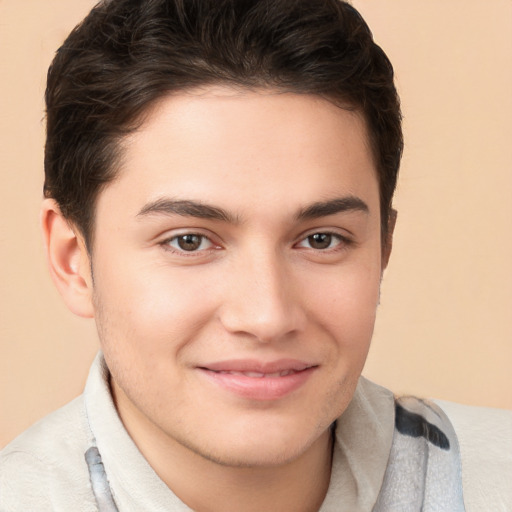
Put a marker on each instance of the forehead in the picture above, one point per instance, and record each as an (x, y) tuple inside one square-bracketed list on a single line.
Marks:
[(219, 144)]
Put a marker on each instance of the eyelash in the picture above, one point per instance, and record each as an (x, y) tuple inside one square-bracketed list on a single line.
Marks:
[(166, 244), (342, 243)]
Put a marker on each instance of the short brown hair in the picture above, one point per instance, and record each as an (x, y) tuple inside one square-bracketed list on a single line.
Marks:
[(126, 54)]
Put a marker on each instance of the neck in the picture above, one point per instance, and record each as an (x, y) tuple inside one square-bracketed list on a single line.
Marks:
[(299, 485)]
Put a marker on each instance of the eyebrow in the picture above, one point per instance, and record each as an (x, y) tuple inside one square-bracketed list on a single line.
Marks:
[(331, 207), (186, 209), (189, 208)]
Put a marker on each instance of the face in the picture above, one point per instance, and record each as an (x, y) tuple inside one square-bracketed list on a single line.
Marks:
[(236, 271)]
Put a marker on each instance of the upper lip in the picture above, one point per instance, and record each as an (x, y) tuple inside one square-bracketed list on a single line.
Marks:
[(252, 365)]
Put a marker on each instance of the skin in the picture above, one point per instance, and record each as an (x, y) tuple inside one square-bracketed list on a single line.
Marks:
[(256, 286)]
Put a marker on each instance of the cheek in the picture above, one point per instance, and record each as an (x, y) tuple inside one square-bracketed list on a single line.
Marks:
[(152, 309), (346, 301)]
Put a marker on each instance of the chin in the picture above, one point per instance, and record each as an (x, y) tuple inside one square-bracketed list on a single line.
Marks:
[(254, 455), (259, 444)]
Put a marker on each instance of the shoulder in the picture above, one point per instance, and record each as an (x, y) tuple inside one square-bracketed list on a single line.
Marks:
[(56, 439), (44, 468), (485, 440)]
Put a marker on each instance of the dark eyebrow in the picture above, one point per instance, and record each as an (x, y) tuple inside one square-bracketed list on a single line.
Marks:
[(331, 207), (186, 209)]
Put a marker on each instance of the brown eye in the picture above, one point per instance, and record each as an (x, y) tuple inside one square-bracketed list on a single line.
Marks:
[(320, 240), (189, 242)]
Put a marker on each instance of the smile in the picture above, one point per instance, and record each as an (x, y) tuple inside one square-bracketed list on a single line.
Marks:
[(259, 381), (259, 375)]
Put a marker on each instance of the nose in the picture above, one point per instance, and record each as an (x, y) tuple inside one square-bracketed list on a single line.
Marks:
[(263, 300)]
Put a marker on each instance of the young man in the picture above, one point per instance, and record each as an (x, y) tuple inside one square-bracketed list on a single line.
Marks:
[(219, 182)]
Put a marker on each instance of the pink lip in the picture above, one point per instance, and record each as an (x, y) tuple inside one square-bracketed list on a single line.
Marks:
[(261, 383)]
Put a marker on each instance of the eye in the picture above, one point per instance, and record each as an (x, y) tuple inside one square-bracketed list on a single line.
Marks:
[(321, 241), (189, 242)]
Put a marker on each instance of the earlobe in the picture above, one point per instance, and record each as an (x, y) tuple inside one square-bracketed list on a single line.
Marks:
[(388, 243), (68, 260)]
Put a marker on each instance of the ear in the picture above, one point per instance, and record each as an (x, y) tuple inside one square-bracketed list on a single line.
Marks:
[(388, 243), (68, 260)]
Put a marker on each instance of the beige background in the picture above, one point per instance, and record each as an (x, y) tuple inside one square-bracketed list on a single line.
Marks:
[(444, 327)]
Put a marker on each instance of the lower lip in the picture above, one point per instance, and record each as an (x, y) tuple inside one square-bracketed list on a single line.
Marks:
[(260, 388)]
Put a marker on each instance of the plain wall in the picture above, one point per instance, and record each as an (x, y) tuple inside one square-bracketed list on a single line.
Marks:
[(444, 327)]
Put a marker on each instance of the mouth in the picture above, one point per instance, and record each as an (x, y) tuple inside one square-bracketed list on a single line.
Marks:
[(259, 375), (255, 380)]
